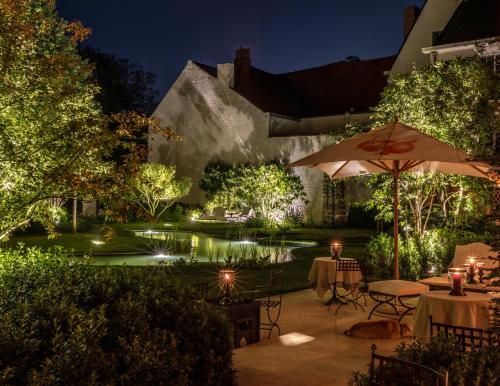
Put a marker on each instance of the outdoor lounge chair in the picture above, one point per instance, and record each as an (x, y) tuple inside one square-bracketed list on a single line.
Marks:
[(468, 337), (219, 213), (479, 250), (388, 371)]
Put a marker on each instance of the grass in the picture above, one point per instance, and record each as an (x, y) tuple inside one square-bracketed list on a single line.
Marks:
[(295, 271)]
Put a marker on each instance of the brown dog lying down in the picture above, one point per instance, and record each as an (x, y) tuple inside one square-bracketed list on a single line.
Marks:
[(380, 329)]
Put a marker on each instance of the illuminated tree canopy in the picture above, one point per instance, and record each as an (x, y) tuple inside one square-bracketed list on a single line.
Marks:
[(451, 101), (54, 139)]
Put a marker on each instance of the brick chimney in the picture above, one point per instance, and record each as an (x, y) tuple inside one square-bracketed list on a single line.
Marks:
[(242, 64), (410, 17)]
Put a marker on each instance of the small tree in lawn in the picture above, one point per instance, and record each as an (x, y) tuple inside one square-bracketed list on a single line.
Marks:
[(154, 189), (270, 190), (267, 188)]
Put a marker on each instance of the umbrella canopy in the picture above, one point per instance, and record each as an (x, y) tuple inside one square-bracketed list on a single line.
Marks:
[(393, 148)]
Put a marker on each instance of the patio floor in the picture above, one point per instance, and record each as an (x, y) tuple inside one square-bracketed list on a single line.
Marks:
[(329, 359)]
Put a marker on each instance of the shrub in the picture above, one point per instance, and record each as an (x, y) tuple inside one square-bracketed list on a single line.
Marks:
[(66, 322), (419, 256), (480, 367)]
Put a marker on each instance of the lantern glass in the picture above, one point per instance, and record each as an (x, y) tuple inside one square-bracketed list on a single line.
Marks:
[(335, 249), (457, 278)]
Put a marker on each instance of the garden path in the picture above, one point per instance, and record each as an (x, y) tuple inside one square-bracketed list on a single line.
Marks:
[(329, 359)]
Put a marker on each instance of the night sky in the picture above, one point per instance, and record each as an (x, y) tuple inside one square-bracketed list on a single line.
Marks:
[(284, 35)]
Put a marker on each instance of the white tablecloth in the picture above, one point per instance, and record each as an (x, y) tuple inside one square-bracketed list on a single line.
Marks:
[(466, 311), (324, 271)]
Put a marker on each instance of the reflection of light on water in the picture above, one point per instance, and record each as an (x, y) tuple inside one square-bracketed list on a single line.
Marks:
[(247, 242), (295, 338), (167, 225), (98, 242)]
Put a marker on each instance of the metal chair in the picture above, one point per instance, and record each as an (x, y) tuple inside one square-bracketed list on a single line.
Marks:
[(271, 305), (352, 293), (363, 286), (469, 338), (388, 371)]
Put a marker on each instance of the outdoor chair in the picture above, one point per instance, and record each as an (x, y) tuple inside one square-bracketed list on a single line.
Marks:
[(469, 338), (351, 292), (272, 303), (363, 287), (388, 371)]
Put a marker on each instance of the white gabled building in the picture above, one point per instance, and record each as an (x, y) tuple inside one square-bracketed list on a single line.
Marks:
[(236, 113)]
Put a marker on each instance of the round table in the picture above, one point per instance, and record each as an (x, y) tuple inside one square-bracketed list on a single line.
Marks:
[(323, 274), (465, 311)]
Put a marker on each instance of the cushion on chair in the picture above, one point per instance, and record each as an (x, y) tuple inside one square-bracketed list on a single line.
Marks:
[(398, 287)]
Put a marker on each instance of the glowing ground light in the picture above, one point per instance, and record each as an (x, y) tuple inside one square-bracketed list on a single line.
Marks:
[(98, 242), (295, 338), (247, 242), (161, 256)]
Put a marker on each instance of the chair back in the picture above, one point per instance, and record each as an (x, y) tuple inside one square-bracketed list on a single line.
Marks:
[(219, 213), (468, 337), (479, 250), (348, 266), (388, 371), (276, 283)]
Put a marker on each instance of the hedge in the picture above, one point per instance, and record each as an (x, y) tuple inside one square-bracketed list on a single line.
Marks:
[(65, 322)]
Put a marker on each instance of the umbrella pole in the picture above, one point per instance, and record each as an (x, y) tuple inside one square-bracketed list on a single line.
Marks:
[(395, 187)]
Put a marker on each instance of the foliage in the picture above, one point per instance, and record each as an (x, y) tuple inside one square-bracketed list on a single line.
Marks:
[(154, 189), (359, 216), (124, 86), (478, 367), (67, 322), (419, 256), (54, 139), (451, 102), (267, 188)]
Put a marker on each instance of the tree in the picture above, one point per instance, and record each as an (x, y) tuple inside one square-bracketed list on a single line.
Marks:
[(124, 86), (154, 189), (267, 188), (54, 139), (450, 101)]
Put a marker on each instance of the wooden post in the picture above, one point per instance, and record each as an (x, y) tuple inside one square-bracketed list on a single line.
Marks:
[(75, 207), (395, 187)]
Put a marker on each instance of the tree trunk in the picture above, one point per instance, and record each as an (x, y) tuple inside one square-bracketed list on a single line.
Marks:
[(75, 209)]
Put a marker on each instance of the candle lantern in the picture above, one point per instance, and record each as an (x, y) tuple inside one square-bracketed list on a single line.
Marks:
[(457, 278), (471, 270), (335, 249), (480, 271), (226, 283)]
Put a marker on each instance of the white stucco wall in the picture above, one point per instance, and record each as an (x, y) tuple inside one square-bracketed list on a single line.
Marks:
[(216, 123), (434, 17)]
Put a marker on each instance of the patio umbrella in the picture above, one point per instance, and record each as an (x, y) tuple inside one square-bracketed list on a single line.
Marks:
[(394, 148)]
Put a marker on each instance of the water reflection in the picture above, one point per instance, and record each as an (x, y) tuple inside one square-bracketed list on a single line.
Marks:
[(194, 247)]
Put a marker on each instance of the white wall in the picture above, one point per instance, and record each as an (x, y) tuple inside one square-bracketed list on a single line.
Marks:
[(218, 124), (434, 17)]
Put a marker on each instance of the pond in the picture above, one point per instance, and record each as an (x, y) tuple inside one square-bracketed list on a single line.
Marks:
[(168, 246)]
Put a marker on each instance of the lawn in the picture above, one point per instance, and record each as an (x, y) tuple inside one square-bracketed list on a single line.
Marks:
[(296, 271)]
